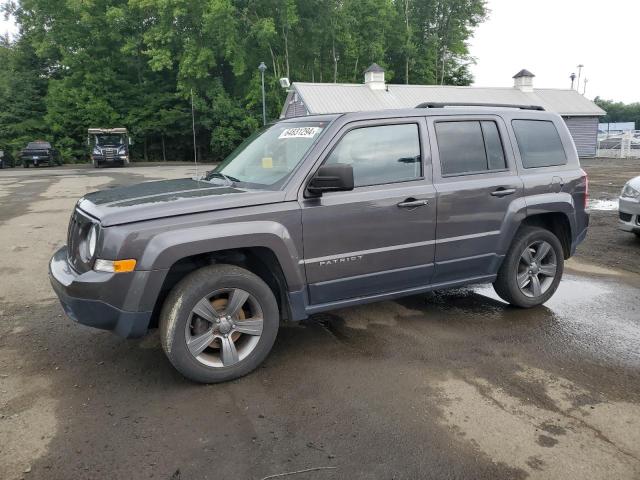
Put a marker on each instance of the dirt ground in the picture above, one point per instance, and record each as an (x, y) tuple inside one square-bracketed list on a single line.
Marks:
[(605, 245), (452, 385)]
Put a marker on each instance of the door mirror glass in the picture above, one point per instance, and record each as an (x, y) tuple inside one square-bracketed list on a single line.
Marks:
[(337, 177)]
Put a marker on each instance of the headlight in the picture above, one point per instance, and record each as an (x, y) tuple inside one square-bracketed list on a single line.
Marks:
[(92, 239), (97, 151), (121, 150), (630, 192)]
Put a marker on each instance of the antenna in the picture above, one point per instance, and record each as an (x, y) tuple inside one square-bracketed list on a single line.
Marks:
[(193, 127)]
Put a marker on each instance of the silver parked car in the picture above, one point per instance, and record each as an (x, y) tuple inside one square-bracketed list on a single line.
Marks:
[(629, 207)]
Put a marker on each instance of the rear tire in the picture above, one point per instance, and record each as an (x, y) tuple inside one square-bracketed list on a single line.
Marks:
[(532, 270), (208, 333)]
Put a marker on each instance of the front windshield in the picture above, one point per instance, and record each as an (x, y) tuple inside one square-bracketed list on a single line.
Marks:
[(267, 158), (109, 140)]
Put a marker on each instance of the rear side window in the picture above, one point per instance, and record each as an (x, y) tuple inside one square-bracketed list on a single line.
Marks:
[(469, 147), (539, 143), (381, 154)]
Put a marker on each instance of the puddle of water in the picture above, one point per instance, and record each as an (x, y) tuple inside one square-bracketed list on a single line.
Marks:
[(603, 205), (598, 316)]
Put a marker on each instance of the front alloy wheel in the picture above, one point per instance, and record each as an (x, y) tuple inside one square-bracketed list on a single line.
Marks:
[(225, 327), (219, 323)]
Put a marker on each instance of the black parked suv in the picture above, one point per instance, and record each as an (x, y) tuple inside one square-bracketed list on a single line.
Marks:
[(39, 153), (321, 212)]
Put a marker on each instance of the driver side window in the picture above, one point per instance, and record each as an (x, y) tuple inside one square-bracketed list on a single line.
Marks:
[(380, 154)]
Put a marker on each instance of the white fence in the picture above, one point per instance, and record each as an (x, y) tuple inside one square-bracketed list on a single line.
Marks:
[(619, 145)]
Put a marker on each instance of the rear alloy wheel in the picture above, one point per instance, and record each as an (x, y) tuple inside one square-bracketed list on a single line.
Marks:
[(532, 269), (219, 323), (537, 269)]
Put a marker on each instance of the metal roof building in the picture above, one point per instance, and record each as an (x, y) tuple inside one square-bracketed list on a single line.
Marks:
[(580, 114)]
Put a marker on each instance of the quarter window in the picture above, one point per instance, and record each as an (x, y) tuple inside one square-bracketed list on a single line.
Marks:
[(539, 143), (469, 147), (381, 154)]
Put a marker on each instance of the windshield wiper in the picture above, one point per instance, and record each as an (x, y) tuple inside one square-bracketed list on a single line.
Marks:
[(229, 179)]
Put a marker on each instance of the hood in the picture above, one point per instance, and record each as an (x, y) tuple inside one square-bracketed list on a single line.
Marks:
[(166, 198)]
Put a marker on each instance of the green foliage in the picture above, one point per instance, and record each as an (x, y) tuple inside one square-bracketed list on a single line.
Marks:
[(135, 63), (619, 112)]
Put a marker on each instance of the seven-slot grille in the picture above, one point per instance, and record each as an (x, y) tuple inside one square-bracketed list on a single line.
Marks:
[(77, 234), (110, 153)]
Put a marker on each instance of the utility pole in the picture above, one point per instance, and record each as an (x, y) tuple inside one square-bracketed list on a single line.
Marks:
[(584, 90), (573, 79), (579, 73), (193, 127), (262, 67)]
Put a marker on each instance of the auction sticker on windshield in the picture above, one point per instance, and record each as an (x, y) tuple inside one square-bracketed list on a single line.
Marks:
[(300, 132)]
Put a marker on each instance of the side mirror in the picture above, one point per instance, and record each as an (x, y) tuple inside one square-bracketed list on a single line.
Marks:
[(130, 141), (337, 177)]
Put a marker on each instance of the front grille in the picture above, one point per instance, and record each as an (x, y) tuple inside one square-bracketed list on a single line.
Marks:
[(77, 233), (625, 217), (110, 153)]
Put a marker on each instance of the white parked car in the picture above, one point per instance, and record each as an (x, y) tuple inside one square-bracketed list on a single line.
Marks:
[(629, 207)]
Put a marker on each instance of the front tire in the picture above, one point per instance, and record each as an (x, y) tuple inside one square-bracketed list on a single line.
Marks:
[(532, 270), (219, 323)]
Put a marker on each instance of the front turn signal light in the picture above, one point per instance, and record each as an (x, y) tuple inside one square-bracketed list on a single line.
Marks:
[(114, 266)]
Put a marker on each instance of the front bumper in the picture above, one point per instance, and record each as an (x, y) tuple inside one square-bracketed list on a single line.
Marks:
[(114, 159), (99, 299), (37, 161), (629, 214)]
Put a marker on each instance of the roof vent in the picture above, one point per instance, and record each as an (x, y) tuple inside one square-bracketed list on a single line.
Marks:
[(523, 80), (374, 77)]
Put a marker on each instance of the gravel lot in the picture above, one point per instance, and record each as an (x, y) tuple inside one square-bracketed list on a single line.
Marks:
[(447, 385)]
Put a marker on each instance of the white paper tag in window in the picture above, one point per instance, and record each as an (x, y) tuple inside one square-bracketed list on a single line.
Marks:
[(300, 132)]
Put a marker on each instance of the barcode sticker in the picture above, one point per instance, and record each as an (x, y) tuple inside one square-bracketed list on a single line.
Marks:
[(300, 132)]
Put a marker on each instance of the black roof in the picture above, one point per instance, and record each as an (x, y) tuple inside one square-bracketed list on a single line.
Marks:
[(523, 73), (374, 67)]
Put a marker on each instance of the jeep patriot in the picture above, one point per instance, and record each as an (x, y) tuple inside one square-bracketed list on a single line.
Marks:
[(321, 212)]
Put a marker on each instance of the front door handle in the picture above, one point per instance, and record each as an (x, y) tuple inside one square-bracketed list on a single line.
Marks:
[(413, 203), (503, 192)]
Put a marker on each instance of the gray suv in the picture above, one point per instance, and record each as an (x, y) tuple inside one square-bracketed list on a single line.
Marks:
[(322, 212)]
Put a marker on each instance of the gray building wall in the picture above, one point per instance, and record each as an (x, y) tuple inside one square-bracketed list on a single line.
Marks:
[(584, 131)]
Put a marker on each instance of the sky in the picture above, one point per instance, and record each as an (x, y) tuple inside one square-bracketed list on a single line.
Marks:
[(551, 37)]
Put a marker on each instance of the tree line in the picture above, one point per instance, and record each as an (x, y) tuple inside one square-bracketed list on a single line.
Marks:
[(619, 112), (136, 63)]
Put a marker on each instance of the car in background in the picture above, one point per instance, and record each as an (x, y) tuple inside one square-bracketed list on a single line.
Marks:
[(40, 153), (6, 159), (629, 207)]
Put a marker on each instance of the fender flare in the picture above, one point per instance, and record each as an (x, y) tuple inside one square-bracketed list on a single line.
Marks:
[(524, 207), (166, 248)]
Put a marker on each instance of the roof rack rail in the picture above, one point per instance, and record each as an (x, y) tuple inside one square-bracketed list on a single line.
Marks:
[(466, 104)]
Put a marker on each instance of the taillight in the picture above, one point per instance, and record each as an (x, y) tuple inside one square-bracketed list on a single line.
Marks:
[(586, 188)]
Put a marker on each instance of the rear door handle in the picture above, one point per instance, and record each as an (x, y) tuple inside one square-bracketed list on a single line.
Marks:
[(503, 192), (413, 203)]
